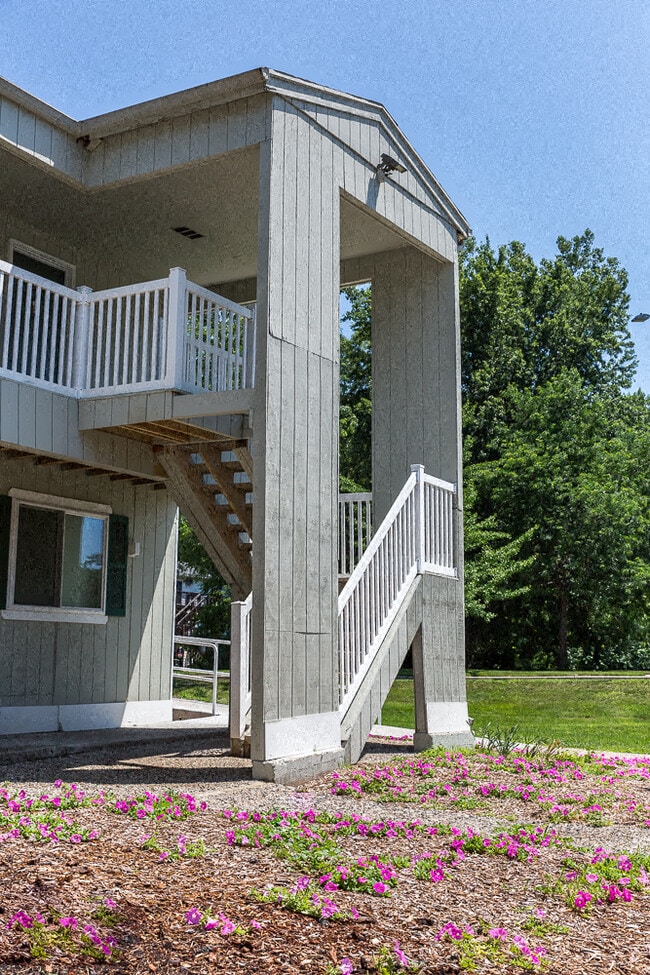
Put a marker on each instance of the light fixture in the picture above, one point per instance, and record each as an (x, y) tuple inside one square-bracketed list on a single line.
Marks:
[(641, 317), (388, 165), (89, 143)]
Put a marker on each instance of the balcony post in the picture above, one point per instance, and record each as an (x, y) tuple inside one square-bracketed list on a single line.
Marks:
[(80, 347), (420, 553), (176, 327), (251, 344)]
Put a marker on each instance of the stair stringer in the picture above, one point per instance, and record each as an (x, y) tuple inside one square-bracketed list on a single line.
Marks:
[(365, 708), (201, 514)]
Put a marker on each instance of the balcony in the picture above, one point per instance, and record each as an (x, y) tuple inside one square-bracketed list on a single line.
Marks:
[(168, 334)]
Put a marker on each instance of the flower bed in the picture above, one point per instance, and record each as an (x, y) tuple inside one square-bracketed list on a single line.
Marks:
[(439, 863)]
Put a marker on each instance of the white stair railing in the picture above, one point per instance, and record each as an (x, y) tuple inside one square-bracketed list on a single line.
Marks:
[(240, 667), (416, 536), (355, 529)]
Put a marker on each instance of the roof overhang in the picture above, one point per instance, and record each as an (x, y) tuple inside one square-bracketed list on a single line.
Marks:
[(239, 86)]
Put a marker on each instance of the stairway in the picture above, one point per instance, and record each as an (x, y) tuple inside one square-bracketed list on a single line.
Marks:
[(380, 605), (212, 485)]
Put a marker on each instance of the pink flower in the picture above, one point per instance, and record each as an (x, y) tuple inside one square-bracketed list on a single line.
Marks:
[(582, 899), (346, 966), (401, 957), (193, 916), (379, 888), (68, 922), (500, 934), (591, 878)]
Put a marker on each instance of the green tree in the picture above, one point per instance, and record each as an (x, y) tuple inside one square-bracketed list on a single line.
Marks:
[(523, 323), (194, 565), (555, 449), (355, 427)]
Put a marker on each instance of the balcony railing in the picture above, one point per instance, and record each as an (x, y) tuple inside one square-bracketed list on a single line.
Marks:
[(165, 334)]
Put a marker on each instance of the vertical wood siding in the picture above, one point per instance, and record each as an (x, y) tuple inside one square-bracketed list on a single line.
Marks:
[(416, 420), (296, 425), (43, 420), (125, 659), (46, 141)]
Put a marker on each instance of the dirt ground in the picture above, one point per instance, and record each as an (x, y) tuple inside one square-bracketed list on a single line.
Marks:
[(409, 885)]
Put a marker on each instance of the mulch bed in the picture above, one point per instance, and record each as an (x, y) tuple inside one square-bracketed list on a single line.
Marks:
[(139, 904)]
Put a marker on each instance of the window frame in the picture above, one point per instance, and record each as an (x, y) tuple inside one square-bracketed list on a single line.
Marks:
[(68, 506), (69, 270)]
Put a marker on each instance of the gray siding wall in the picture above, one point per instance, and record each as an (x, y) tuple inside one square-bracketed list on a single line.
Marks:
[(296, 427), (48, 140), (417, 420), (416, 410), (41, 420), (127, 658), (176, 142)]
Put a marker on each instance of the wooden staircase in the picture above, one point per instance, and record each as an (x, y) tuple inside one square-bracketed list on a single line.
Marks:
[(212, 485)]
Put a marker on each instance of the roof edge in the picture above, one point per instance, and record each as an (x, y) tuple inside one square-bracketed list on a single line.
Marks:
[(285, 84), (39, 108)]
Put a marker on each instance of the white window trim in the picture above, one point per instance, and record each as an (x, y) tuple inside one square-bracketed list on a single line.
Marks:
[(38, 255), (52, 614)]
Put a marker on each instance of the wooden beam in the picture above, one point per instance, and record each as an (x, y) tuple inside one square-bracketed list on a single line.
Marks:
[(213, 404)]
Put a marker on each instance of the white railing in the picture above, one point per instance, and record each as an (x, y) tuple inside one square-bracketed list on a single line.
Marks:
[(416, 536), (126, 338), (165, 334), (355, 529), (219, 346), (240, 667), (38, 323), (193, 674)]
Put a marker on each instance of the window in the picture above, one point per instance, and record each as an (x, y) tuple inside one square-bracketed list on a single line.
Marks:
[(65, 560), (38, 262)]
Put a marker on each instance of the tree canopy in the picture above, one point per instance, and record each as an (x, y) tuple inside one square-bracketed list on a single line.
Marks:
[(556, 449)]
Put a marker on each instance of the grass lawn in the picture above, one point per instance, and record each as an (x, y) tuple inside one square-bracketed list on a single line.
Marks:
[(611, 715), (199, 691)]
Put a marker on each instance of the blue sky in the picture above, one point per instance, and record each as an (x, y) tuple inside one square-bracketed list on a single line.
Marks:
[(533, 114)]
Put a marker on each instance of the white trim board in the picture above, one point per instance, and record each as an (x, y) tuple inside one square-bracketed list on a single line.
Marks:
[(83, 717)]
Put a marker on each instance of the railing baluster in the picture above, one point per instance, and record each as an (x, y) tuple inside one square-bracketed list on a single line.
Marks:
[(127, 340), (36, 334), (7, 289)]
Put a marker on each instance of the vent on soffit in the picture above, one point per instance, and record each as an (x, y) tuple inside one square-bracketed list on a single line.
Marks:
[(188, 232)]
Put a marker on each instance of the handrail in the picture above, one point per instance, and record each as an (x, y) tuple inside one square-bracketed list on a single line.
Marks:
[(36, 279), (214, 674), (355, 529), (416, 536), (162, 334)]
